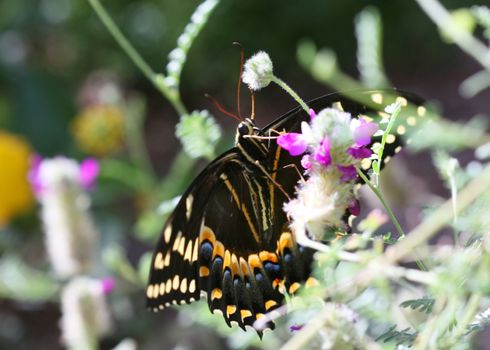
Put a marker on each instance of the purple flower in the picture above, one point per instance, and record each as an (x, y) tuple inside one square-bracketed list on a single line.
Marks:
[(89, 170), (33, 175), (354, 207), (363, 131), (292, 142), (306, 161), (322, 154), (108, 284), (295, 327), (312, 113), (359, 152), (349, 172)]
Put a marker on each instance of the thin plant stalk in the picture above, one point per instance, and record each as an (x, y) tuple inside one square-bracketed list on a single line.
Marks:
[(439, 218), (157, 80), (467, 42), (291, 92)]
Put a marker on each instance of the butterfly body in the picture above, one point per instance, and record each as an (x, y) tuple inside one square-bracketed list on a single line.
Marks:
[(229, 238)]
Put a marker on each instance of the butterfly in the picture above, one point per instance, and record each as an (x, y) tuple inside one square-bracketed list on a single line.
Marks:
[(229, 238)]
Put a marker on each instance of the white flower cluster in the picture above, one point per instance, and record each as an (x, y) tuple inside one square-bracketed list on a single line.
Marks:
[(85, 313), (257, 71), (342, 329), (71, 238), (321, 202), (338, 125)]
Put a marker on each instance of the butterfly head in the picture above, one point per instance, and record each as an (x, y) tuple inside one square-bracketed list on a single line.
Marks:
[(246, 127)]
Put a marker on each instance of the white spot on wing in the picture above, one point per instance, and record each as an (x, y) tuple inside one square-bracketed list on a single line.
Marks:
[(188, 252), (192, 286), (188, 206), (167, 233)]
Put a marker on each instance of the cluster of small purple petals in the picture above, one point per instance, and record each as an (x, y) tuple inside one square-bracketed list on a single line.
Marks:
[(293, 142), (348, 172), (363, 131), (306, 161), (88, 171), (312, 113), (332, 146), (295, 328), (322, 153), (359, 152), (354, 207), (33, 175), (319, 150), (107, 285)]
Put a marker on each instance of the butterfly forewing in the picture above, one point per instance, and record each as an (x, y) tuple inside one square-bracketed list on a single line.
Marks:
[(174, 275)]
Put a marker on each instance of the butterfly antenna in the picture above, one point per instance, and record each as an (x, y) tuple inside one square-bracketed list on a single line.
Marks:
[(242, 60), (220, 108), (252, 116)]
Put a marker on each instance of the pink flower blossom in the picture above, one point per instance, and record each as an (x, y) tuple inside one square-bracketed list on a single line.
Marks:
[(312, 113), (349, 172), (322, 154), (306, 161), (354, 207), (363, 132), (359, 152), (33, 175), (295, 327), (89, 170), (292, 142), (108, 284)]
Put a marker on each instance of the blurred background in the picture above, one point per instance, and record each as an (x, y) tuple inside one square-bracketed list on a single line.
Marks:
[(68, 90)]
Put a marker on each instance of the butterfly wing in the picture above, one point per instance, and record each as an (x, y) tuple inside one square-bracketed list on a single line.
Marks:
[(228, 237), (175, 267), (220, 242)]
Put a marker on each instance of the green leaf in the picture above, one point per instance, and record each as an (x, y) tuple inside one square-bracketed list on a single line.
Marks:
[(199, 134), (144, 267), (403, 337), (424, 304), (21, 282)]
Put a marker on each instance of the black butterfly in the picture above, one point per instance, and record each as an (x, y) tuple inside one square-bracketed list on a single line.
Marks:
[(229, 238)]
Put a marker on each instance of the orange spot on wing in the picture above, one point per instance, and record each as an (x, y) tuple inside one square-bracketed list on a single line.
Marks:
[(254, 261), (268, 256)]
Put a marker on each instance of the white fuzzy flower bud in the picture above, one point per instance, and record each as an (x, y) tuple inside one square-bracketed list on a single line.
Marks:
[(257, 72), (70, 233), (341, 329), (320, 202), (85, 313)]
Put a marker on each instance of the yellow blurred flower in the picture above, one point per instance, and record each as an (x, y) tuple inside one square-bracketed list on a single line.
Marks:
[(99, 129), (15, 191)]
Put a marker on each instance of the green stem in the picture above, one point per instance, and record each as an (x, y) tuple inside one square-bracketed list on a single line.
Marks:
[(462, 326), (439, 218), (134, 117), (172, 95), (382, 200), (378, 194), (467, 42), (290, 91), (387, 131)]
